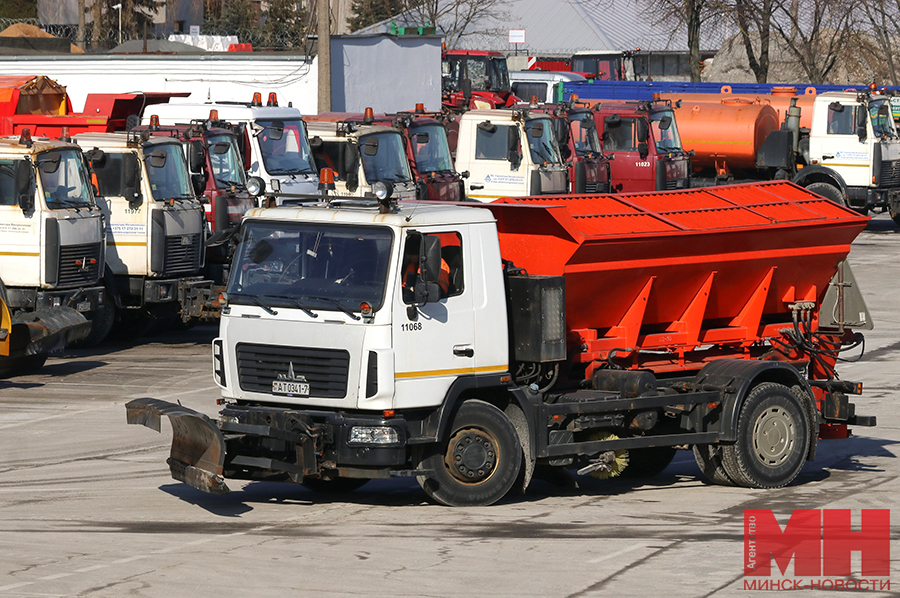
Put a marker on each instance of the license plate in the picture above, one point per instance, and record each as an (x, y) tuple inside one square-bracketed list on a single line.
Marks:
[(83, 306), (282, 387)]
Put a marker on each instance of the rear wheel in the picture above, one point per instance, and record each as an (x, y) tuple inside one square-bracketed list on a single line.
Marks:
[(480, 461), (709, 459), (828, 192), (772, 438), (895, 213)]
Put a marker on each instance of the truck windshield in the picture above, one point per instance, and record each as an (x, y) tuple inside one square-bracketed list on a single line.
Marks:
[(882, 124), (310, 266), (167, 171), (486, 74), (431, 150), (225, 160), (287, 153), (64, 179), (583, 132), (542, 141), (384, 158), (665, 131)]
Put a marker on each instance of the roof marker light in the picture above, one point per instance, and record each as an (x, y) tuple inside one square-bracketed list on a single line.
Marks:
[(25, 137), (326, 180), (273, 99), (420, 107), (368, 115), (257, 99), (213, 114), (154, 122)]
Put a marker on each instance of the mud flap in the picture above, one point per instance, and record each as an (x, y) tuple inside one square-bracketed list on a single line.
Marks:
[(198, 447)]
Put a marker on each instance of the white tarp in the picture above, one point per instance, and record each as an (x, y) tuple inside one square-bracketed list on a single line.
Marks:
[(210, 43)]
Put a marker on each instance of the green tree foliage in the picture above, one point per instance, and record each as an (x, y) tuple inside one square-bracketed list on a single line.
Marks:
[(369, 12), (230, 17)]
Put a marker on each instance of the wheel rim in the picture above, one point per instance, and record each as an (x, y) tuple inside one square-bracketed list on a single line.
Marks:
[(472, 455), (774, 436)]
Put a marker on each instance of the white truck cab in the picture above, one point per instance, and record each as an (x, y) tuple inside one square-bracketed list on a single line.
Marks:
[(52, 249), (546, 86), (509, 153), (362, 155), (275, 143), (853, 135), (155, 226)]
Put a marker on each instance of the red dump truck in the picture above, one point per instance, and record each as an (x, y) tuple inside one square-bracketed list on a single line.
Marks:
[(465, 344), (475, 79)]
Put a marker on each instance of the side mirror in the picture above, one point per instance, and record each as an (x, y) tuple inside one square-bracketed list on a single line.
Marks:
[(512, 144), (25, 185), (158, 158), (862, 118), (221, 148), (315, 142), (643, 150), (427, 289), (131, 181), (665, 122), (351, 163), (196, 159), (643, 131), (276, 131), (198, 183)]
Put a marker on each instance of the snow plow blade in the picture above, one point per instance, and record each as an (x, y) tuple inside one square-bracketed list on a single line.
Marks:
[(198, 447), (47, 330)]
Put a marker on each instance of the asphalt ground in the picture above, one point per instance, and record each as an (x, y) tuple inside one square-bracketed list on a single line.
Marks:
[(87, 507)]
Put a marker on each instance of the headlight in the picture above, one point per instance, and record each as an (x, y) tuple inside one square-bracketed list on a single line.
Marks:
[(256, 186), (373, 435), (382, 189)]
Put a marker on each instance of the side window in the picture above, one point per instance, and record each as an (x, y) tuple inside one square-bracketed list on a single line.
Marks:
[(451, 278), (330, 155), (7, 183), (841, 123), (110, 174), (619, 136), (524, 90), (492, 145)]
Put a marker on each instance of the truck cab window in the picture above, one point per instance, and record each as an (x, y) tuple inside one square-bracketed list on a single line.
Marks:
[(620, 136), (526, 90), (110, 174), (492, 145), (7, 183), (842, 123), (451, 278)]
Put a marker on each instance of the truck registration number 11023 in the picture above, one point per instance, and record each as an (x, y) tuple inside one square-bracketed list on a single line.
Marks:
[(411, 326)]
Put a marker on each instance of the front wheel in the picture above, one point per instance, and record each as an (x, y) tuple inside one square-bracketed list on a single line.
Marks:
[(102, 322), (479, 462), (772, 438), (828, 192)]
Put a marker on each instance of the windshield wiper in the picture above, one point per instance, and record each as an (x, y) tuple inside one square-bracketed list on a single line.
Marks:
[(296, 303), (283, 171), (237, 184), (334, 302), (257, 301)]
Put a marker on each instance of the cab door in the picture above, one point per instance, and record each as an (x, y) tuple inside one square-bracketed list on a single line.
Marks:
[(434, 343), (20, 229), (491, 172)]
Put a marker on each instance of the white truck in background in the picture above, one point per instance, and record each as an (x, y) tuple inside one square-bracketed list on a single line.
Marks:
[(155, 226), (364, 158), (52, 246), (509, 153), (274, 145)]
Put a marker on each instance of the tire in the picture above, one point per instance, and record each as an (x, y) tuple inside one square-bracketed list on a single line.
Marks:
[(829, 192), (335, 486), (895, 214), (479, 462), (772, 438), (709, 460), (648, 462), (102, 322)]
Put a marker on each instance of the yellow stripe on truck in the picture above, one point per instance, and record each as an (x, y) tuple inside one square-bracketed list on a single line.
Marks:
[(20, 254), (429, 373)]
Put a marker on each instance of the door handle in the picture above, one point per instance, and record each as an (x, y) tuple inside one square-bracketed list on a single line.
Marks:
[(476, 186), (463, 351), (827, 157)]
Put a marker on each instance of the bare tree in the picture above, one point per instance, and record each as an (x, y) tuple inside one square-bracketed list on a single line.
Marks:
[(883, 19), (689, 14), (817, 33), (754, 21), (456, 19)]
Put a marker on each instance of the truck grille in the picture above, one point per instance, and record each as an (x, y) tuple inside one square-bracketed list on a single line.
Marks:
[(182, 254), (676, 184), (79, 264), (325, 370), (890, 173)]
